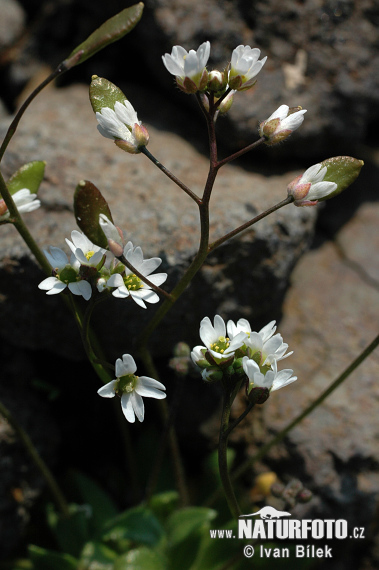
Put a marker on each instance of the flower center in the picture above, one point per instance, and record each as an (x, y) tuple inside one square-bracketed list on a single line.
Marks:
[(67, 275), (132, 282), (89, 254), (220, 345), (126, 384)]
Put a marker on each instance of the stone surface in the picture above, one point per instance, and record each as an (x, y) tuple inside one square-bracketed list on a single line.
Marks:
[(11, 23), (321, 55), (247, 276), (330, 315)]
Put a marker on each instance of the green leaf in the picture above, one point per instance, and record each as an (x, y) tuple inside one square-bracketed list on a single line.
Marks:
[(342, 170), (163, 504), (104, 93), (29, 176), (89, 203), (141, 559), (86, 491), (213, 554), (97, 556), (137, 524), (186, 530), (71, 533), (49, 560), (109, 32), (184, 522)]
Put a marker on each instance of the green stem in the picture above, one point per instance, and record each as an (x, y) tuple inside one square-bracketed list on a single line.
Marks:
[(38, 461), (172, 177), (246, 225), (222, 454), (239, 420), (241, 152), (159, 290)]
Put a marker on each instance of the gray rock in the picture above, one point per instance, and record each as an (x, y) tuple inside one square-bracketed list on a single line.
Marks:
[(247, 276), (11, 23)]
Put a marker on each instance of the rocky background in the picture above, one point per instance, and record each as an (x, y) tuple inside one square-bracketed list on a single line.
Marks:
[(314, 269)]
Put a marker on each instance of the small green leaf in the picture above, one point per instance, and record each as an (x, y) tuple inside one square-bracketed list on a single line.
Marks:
[(71, 533), (29, 176), (97, 555), (186, 530), (342, 170), (109, 32), (137, 524), (141, 559), (89, 203), (104, 93), (86, 491), (184, 522), (49, 560), (163, 504)]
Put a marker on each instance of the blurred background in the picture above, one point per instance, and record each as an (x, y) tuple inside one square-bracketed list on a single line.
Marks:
[(313, 270)]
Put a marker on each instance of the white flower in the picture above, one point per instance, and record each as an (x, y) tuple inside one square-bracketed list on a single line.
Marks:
[(188, 67), (65, 275), (263, 345), (131, 388), (122, 126), (281, 124), (110, 230), (85, 251), (272, 379), (215, 339), (310, 187), (129, 284), (24, 202), (244, 66)]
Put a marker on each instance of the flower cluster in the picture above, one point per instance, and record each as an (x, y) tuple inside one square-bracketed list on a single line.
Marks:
[(191, 74), (91, 267), (130, 388), (24, 201), (189, 69), (236, 350)]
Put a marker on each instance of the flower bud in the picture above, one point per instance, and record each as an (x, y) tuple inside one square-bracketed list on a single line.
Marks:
[(116, 116), (217, 82), (212, 374), (258, 395), (324, 180), (281, 124)]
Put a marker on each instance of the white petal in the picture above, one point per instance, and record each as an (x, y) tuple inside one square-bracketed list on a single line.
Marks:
[(250, 367), (150, 388), (280, 113), (150, 265), (157, 279), (138, 299), (107, 391), (219, 326), (127, 407), (126, 113), (138, 406), (115, 280), (52, 285), (82, 288), (56, 257), (130, 365)]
